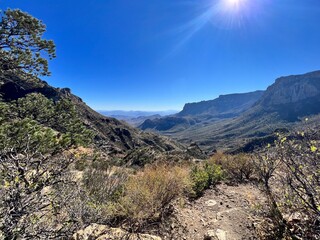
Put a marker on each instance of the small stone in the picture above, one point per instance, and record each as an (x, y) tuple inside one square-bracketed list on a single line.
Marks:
[(211, 203), (221, 235), (210, 235)]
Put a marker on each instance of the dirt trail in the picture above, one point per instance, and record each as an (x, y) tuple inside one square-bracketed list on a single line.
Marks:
[(224, 213)]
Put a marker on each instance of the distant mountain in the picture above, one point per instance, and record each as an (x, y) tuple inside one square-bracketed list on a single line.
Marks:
[(135, 122), (123, 115), (113, 137), (223, 107), (136, 118), (167, 123), (279, 107)]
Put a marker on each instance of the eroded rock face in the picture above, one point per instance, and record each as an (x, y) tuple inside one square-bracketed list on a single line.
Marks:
[(292, 89), (103, 232), (223, 105), (292, 97)]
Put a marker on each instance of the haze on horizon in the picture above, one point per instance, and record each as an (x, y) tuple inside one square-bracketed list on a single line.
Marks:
[(158, 55)]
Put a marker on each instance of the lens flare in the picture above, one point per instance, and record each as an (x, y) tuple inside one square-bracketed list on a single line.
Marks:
[(223, 15)]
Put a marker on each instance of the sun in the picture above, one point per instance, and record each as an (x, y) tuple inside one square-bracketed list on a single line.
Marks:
[(233, 3)]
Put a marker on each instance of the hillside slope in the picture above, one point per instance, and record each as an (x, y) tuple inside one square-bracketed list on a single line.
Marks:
[(113, 137)]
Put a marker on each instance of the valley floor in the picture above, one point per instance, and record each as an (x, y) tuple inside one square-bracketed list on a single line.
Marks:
[(223, 213)]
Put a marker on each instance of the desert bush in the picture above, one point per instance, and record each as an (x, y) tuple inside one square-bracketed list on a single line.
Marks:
[(34, 159), (267, 165), (215, 173), (300, 158), (93, 199), (290, 171), (237, 168), (205, 175), (104, 185), (149, 193), (200, 181)]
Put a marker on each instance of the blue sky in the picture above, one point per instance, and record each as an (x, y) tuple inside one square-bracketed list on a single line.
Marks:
[(160, 54)]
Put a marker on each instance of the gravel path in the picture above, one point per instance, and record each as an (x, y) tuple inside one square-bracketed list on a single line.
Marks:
[(224, 213)]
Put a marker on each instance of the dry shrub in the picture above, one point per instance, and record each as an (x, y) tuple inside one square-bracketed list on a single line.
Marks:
[(238, 167), (93, 195), (103, 185), (290, 172), (148, 194)]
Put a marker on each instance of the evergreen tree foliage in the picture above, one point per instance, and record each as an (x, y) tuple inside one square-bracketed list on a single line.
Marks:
[(22, 47)]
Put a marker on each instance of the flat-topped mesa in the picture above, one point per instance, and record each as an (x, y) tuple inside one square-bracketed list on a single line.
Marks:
[(230, 103)]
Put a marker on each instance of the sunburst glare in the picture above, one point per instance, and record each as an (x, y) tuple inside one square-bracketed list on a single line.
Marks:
[(222, 14), (232, 5), (233, 2)]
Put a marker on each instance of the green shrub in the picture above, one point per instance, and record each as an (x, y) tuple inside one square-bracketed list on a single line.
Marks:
[(215, 173), (200, 180), (205, 176)]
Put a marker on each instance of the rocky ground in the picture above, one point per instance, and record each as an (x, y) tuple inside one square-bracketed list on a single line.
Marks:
[(223, 213)]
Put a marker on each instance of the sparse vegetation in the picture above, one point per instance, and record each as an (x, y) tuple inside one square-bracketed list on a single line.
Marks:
[(237, 167), (148, 194)]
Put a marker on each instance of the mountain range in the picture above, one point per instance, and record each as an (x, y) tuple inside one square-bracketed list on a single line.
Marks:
[(230, 121), (134, 114), (227, 123), (224, 107), (136, 118)]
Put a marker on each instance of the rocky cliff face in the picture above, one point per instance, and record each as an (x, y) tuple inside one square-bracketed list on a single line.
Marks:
[(292, 97), (231, 104), (292, 89)]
